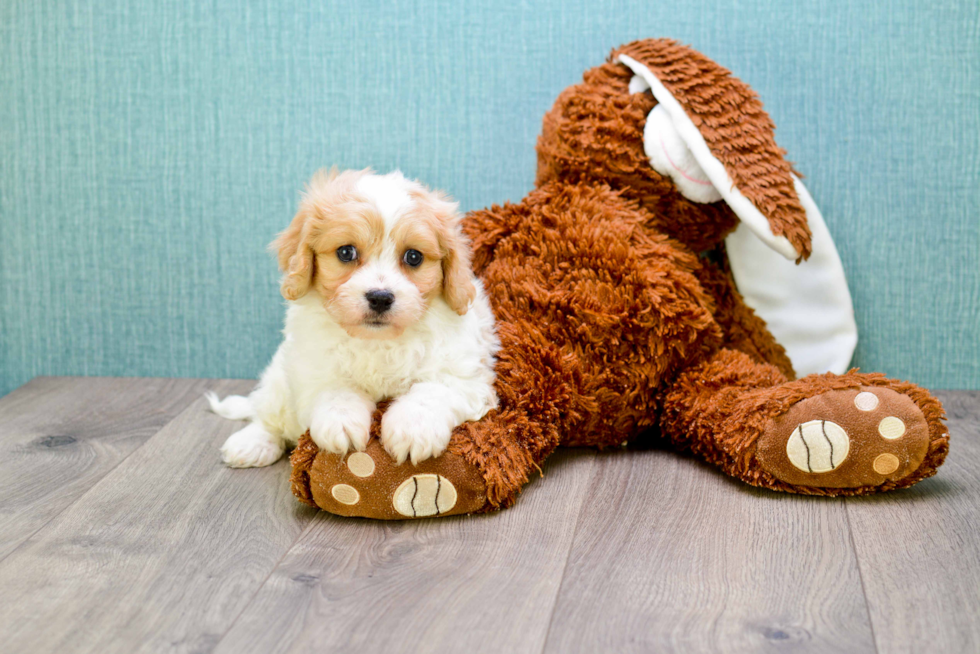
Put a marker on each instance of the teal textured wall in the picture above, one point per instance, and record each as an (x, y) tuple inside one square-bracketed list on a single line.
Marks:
[(149, 151)]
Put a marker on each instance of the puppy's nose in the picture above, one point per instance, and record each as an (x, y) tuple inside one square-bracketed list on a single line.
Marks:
[(380, 300)]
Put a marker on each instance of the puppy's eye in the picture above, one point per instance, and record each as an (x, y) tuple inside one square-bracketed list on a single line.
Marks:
[(412, 258), (347, 253)]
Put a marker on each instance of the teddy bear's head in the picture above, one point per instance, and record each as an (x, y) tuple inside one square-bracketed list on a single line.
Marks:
[(676, 132)]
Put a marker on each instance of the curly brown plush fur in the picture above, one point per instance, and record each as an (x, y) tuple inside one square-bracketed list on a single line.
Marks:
[(731, 119), (613, 323), (594, 133)]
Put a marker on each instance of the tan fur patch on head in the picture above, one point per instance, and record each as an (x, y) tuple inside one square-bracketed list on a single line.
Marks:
[(352, 223), (436, 226), (331, 214), (420, 230)]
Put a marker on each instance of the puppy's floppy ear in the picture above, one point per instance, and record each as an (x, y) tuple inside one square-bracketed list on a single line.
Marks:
[(457, 276), (295, 256)]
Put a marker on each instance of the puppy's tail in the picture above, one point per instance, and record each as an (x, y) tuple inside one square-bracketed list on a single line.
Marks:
[(233, 407)]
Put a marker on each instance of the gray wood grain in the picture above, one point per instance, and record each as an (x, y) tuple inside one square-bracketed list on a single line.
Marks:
[(671, 556), (919, 549), (160, 555), (122, 536), (467, 584), (61, 435)]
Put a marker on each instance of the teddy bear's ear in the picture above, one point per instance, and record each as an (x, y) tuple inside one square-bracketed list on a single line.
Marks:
[(807, 307), (711, 135)]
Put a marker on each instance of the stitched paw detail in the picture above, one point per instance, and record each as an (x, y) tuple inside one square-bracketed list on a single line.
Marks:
[(345, 494), (846, 439), (818, 446), (361, 464), (421, 496), (371, 484)]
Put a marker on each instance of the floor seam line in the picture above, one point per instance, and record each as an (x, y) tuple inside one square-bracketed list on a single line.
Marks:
[(568, 556), (857, 561), (272, 571)]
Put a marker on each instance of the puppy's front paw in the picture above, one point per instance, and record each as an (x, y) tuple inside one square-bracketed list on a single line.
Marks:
[(341, 422), (251, 447), (409, 429)]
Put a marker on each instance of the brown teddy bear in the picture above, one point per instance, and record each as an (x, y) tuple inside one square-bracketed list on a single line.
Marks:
[(619, 315)]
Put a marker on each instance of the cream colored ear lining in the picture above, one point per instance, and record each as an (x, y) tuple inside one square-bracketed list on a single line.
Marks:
[(670, 156), (713, 169), (807, 307), (638, 84)]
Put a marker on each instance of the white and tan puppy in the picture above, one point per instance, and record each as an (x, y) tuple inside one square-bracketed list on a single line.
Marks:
[(382, 304)]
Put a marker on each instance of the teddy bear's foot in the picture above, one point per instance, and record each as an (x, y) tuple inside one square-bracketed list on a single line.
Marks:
[(871, 438), (370, 485)]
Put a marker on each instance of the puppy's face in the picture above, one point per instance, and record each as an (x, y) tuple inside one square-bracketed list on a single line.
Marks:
[(378, 249)]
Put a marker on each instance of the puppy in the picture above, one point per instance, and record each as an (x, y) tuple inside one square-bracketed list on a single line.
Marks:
[(382, 304)]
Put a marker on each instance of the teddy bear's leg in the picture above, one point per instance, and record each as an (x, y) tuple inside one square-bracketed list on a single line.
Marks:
[(484, 467), (742, 329), (370, 484), (822, 434)]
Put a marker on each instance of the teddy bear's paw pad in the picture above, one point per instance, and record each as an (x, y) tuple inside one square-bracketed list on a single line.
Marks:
[(421, 496), (370, 484), (846, 439), (818, 446), (345, 494), (361, 464)]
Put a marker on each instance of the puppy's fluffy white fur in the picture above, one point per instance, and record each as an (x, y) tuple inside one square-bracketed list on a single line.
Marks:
[(431, 352)]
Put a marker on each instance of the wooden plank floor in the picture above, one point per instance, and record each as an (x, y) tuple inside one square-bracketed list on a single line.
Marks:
[(120, 531)]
